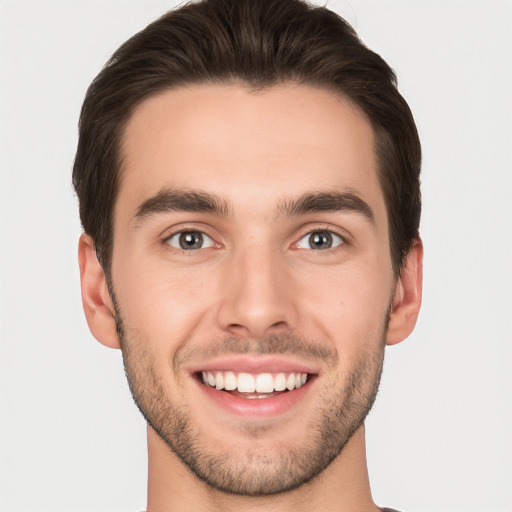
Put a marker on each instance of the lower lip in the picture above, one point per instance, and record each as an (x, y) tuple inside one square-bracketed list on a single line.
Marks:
[(257, 407)]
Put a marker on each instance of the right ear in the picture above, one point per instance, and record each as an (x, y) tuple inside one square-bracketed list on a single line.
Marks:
[(96, 300)]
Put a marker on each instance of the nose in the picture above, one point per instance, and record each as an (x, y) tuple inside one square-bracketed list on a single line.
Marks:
[(257, 295)]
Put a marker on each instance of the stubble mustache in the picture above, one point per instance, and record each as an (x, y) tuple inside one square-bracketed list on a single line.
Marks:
[(275, 344)]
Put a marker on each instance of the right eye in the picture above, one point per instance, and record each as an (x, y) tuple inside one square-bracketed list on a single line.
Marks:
[(190, 240)]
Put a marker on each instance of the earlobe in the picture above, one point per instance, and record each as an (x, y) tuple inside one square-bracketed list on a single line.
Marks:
[(407, 297), (97, 304)]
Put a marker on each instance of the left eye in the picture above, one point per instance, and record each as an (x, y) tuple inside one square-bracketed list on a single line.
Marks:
[(190, 240), (320, 240)]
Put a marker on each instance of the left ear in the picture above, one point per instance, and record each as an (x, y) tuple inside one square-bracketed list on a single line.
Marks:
[(407, 298)]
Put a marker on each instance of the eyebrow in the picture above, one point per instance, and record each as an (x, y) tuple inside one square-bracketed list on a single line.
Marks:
[(331, 201), (170, 200), (183, 200)]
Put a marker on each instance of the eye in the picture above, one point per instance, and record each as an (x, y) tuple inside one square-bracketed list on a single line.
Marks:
[(190, 240), (320, 240)]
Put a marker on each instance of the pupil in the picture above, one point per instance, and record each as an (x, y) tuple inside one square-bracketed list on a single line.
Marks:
[(320, 240), (191, 240)]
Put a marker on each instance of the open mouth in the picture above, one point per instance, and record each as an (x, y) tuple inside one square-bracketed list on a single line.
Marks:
[(247, 385)]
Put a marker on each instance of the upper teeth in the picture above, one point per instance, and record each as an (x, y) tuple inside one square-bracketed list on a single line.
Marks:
[(259, 383)]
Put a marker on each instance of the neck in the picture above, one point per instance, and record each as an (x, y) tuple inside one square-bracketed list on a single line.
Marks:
[(342, 486)]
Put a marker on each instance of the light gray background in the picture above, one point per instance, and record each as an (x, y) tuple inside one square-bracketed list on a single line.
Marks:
[(439, 437)]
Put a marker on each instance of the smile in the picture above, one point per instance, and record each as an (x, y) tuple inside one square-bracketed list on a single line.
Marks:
[(247, 385), (255, 388)]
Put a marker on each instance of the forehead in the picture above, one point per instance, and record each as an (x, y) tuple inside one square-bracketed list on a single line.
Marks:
[(251, 147)]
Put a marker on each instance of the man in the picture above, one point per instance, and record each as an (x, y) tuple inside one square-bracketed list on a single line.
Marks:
[(248, 178)]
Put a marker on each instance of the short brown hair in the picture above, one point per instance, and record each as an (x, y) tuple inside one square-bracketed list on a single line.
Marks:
[(261, 43)]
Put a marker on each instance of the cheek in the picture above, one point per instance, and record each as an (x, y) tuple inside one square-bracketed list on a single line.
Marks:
[(165, 306), (348, 306)]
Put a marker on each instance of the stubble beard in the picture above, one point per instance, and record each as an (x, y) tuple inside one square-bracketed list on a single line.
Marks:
[(337, 416)]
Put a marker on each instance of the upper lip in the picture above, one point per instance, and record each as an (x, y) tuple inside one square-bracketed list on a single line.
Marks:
[(255, 364)]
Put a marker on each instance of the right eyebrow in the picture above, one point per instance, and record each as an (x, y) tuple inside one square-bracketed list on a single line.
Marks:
[(169, 200)]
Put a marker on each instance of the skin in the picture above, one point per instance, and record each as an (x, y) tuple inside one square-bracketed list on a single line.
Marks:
[(257, 280)]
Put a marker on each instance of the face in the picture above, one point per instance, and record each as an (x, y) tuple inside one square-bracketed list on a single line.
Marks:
[(252, 278)]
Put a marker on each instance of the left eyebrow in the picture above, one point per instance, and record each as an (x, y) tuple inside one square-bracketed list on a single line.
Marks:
[(314, 202)]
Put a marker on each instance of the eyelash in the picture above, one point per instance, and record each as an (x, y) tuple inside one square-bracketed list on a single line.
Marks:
[(317, 229)]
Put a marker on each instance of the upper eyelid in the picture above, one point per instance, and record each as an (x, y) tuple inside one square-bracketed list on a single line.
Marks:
[(329, 229), (337, 231), (174, 230)]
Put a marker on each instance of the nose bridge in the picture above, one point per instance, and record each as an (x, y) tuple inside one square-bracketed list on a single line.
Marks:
[(255, 295)]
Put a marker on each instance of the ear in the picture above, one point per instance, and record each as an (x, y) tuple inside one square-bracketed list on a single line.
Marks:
[(98, 306), (407, 298)]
